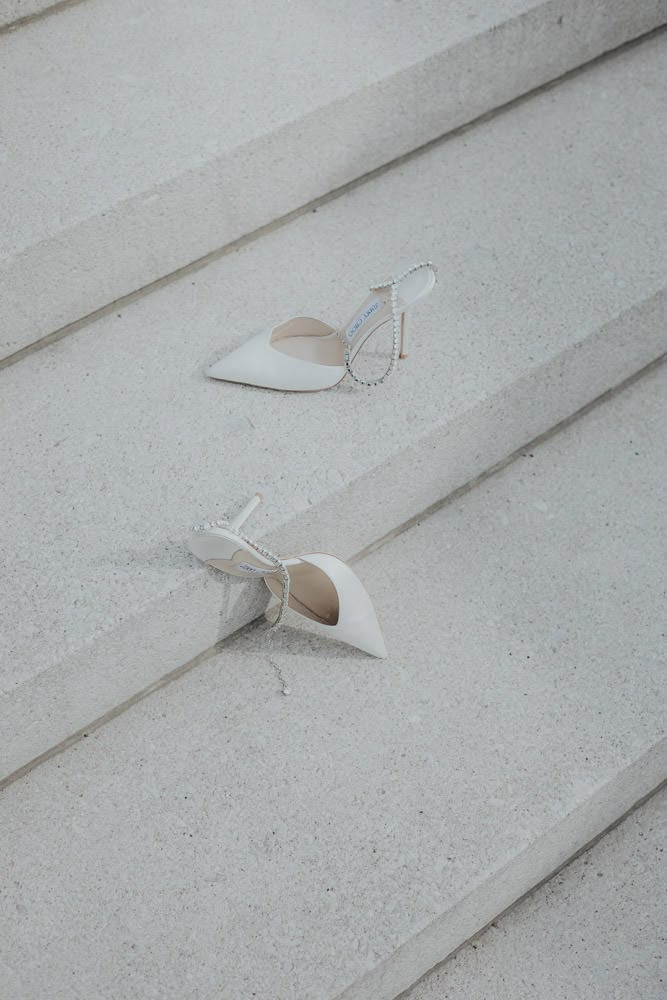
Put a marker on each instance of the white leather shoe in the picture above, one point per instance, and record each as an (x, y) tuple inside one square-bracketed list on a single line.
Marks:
[(305, 354), (318, 586)]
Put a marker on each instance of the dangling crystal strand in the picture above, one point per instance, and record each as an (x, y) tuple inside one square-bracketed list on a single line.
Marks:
[(392, 284), (275, 560), (280, 565)]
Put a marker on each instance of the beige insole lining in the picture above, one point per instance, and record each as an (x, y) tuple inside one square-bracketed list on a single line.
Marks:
[(312, 593), (312, 340)]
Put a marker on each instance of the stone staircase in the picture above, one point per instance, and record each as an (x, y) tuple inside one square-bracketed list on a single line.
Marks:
[(218, 839), (150, 231), (138, 138), (590, 932)]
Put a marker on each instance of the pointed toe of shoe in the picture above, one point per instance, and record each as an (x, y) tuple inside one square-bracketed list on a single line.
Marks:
[(258, 363), (369, 640), (249, 363), (379, 648), (218, 370), (357, 622), (230, 369)]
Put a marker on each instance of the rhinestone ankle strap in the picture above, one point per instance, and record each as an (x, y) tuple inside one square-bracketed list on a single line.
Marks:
[(392, 284)]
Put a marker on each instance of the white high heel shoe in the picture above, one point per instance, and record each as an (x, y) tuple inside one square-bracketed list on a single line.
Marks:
[(304, 354), (318, 586)]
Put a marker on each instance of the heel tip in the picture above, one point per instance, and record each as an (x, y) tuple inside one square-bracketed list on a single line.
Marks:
[(402, 357)]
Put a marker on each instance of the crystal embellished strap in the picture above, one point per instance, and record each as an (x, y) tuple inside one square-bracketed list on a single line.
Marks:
[(273, 559), (392, 284)]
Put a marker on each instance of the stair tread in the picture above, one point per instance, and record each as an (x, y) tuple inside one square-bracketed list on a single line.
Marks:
[(221, 839), (595, 930), (548, 226), (128, 132), (12, 10), (155, 89)]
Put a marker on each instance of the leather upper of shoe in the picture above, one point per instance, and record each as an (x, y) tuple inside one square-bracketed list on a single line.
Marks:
[(355, 621), (259, 361), (305, 354)]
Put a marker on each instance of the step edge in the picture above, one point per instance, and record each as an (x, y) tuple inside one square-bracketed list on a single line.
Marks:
[(48, 10), (572, 834)]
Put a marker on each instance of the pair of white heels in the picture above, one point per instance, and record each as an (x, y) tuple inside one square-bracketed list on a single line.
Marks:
[(304, 355)]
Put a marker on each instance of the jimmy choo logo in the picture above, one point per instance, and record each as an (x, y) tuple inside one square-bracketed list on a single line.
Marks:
[(357, 324), (249, 568)]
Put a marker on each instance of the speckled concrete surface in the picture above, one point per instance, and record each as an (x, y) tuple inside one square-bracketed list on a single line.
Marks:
[(13, 10), (139, 137), (553, 289), (595, 932), (219, 839)]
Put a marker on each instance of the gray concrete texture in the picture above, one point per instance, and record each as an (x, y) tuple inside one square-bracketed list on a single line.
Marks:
[(548, 224), (139, 137), (219, 839), (596, 931), (14, 10)]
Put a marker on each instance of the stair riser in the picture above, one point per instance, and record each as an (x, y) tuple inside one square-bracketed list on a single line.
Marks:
[(538, 862), (139, 241)]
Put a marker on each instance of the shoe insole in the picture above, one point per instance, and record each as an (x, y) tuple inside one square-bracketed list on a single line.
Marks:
[(312, 593), (313, 340)]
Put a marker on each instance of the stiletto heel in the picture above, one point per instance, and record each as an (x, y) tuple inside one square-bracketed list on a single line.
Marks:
[(318, 586), (304, 354), (237, 522), (404, 338)]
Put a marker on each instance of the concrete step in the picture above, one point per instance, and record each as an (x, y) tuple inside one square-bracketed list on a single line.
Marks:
[(138, 138), (219, 839), (594, 930), (12, 12), (548, 224)]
